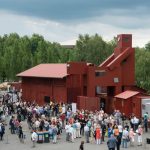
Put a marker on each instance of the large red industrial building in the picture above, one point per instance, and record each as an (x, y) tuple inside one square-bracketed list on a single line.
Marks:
[(111, 85)]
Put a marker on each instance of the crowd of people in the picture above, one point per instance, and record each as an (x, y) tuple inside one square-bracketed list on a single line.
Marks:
[(57, 118)]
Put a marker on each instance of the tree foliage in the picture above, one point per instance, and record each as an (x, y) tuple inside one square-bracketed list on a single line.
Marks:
[(142, 68), (20, 53)]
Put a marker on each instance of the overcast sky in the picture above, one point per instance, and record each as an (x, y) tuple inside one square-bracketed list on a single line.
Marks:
[(63, 20)]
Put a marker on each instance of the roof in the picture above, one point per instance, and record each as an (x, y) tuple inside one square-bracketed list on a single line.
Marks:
[(46, 71), (127, 94)]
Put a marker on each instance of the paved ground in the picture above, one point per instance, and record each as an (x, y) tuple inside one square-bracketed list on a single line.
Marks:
[(13, 143)]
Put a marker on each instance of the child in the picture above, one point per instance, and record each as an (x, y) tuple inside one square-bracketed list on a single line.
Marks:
[(98, 135)]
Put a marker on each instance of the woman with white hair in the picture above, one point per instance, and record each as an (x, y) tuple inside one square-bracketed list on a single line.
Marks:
[(139, 132)]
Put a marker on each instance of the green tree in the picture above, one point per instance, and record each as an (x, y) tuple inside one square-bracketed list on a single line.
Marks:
[(92, 49), (142, 68)]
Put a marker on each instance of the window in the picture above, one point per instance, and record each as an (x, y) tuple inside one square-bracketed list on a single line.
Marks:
[(126, 39), (100, 73)]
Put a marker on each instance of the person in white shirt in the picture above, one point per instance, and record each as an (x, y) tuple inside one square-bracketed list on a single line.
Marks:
[(120, 130), (67, 127), (135, 123), (125, 136), (71, 130), (78, 126), (139, 132), (34, 138)]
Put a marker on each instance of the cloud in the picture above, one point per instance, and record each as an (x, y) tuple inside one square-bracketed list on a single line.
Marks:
[(64, 20), (68, 10), (56, 31)]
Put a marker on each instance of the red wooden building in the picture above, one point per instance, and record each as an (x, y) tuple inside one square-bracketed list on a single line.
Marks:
[(57, 82), (88, 85)]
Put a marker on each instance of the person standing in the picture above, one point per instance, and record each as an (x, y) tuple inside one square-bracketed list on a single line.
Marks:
[(86, 132), (20, 133), (34, 138), (83, 123), (2, 131), (132, 136), (110, 131), (125, 136), (78, 126), (98, 135), (81, 145), (135, 123), (12, 125), (116, 131), (71, 136), (67, 127), (103, 127), (146, 121), (74, 130), (140, 133), (55, 130), (120, 127), (111, 143), (118, 142)]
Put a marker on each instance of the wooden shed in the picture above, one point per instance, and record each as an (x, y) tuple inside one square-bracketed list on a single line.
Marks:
[(55, 82), (130, 102)]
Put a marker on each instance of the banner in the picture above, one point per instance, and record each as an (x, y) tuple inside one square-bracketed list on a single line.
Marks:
[(74, 107)]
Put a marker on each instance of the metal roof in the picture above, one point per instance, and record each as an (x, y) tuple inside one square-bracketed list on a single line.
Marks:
[(127, 94), (46, 71)]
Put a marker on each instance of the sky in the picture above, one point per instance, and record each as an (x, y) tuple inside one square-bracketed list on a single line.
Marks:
[(63, 20)]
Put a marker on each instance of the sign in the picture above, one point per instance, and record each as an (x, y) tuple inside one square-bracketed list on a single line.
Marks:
[(145, 106), (74, 107)]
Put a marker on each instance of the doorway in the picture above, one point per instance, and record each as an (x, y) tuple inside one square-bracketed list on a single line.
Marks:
[(102, 104)]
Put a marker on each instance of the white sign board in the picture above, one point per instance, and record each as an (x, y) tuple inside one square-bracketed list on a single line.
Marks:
[(74, 107), (145, 106)]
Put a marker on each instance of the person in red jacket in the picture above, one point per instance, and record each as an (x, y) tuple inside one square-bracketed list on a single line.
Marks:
[(98, 135)]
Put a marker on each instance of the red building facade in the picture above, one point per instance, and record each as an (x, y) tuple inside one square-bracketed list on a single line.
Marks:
[(88, 85)]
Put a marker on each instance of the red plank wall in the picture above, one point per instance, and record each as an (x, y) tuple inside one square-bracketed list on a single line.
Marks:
[(88, 103), (37, 88)]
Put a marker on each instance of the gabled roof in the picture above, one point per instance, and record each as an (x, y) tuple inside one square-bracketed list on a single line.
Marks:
[(127, 94), (46, 71)]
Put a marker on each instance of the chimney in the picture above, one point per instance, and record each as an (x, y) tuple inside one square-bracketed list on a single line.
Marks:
[(123, 42)]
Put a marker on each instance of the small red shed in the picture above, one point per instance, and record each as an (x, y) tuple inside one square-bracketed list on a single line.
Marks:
[(124, 102), (130, 102)]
